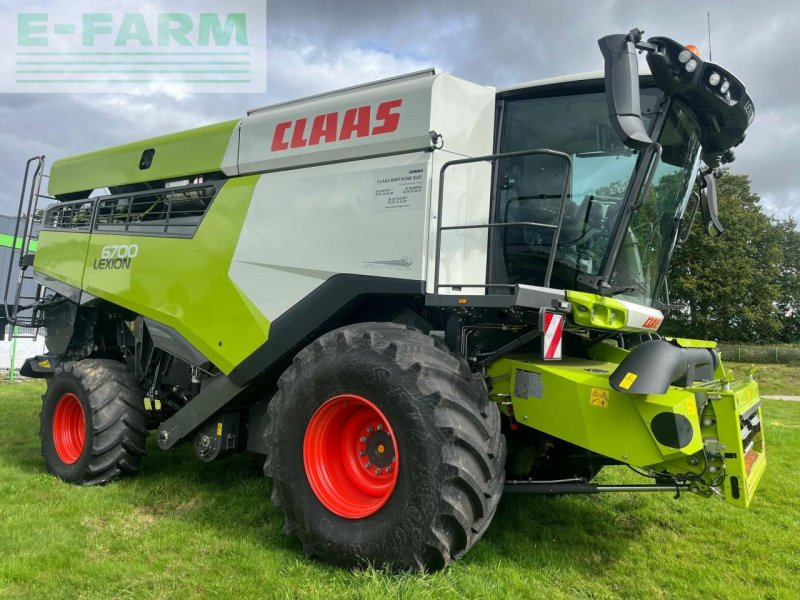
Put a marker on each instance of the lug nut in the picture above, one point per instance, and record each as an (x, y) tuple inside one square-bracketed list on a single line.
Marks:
[(379, 427), (377, 471), (369, 429), (362, 439), (362, 452), (367, 465), (389, 469)]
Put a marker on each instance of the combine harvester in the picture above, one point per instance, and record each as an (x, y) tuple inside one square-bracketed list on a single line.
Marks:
[(409, 296)]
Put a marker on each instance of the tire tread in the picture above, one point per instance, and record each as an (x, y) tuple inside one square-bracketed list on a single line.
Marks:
[(464, 418), (118, 419)]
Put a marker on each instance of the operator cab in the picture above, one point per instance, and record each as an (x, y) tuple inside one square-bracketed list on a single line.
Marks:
[(630, 181)]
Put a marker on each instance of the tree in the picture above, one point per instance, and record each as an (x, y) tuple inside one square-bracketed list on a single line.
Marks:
[(789, 300), (730, 287)]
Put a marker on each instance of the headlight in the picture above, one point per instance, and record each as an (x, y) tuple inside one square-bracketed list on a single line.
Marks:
[(691, 66), (713, 79), (725, 85), (684, 56)]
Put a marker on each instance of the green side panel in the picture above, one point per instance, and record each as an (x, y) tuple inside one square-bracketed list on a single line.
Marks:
[(745, 468), (604, 351), (189, 152), (184, 283), (7, 241), (574, 401), (62, 255)]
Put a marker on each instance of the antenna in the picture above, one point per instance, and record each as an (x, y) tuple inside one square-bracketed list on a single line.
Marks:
[(708, 14)]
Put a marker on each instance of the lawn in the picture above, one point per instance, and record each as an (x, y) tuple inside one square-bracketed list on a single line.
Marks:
[(184, 529), (774, 380)]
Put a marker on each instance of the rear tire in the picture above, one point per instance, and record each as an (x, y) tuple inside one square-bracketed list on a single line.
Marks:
[(93, 424), (431, 421)]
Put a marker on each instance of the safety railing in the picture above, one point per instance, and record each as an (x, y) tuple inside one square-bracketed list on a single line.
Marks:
[(493, 224), (171, 212), (21, 252), (73, 215)]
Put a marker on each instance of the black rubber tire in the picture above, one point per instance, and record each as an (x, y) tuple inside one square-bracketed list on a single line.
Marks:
[(116, 426), (452, 454)]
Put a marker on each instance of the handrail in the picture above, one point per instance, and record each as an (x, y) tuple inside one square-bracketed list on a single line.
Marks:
[(27, 233), (491, 158), (100, 202), (63, 208)]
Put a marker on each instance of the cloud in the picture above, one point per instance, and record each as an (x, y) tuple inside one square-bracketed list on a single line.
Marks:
[(318, 45)]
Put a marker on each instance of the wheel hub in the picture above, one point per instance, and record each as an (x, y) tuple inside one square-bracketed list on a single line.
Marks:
[(379, 449), (350, 456), (69, 428)]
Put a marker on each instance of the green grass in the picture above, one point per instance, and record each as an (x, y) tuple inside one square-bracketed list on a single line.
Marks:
[(184, 529), (773, 380)]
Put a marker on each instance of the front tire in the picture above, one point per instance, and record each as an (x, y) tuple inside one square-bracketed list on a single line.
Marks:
[(93, 424), (384, 449)]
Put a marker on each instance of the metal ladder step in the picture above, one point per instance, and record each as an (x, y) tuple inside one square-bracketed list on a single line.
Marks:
[(21, 257)]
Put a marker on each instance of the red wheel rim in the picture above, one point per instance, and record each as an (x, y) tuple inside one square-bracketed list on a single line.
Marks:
[(69, 428), (350, 456)]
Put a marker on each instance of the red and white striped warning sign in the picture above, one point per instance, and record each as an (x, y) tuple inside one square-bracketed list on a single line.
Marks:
[(553, 326)]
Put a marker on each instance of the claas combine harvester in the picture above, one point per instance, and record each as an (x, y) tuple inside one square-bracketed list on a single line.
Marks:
[(410, 297)]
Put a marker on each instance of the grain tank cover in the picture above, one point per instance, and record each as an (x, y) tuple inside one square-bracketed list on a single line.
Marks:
[(181, 154), (391, 116)]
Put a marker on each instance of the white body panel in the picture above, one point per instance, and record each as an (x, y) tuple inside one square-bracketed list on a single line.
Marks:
[(644, 71), (363, 205), (389, 117), (642, 317), (466, 202), (305, 225)]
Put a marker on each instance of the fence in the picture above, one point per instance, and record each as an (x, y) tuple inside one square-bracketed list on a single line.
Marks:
[(781, 354)]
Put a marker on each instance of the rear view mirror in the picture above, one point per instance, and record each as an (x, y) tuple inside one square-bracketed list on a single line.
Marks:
[(708, 206), (622, 89)]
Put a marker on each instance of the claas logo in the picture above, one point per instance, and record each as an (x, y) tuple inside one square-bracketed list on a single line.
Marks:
[(358, 122), (652, 322)]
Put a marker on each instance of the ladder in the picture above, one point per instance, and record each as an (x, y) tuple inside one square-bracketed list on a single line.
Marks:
[(21, 307)]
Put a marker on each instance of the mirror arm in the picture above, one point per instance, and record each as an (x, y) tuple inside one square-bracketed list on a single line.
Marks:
[(622, 88)]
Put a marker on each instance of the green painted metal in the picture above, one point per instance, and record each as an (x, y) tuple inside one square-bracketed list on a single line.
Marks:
[(597, 312), (573, 400), (7, 241), (62, 255), (577, 404), (191, 152), (179, 282), (687, 343), (726, 407)]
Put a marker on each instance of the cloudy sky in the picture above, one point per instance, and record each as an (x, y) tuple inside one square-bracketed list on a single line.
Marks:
[(320, 45)]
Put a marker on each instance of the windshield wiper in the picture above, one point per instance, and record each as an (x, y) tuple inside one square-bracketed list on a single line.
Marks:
[(621, 290), (601, 153), (650, 175)]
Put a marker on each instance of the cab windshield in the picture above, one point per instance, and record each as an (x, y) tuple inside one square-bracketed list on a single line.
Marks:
[(530, 188), (652, 232)]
